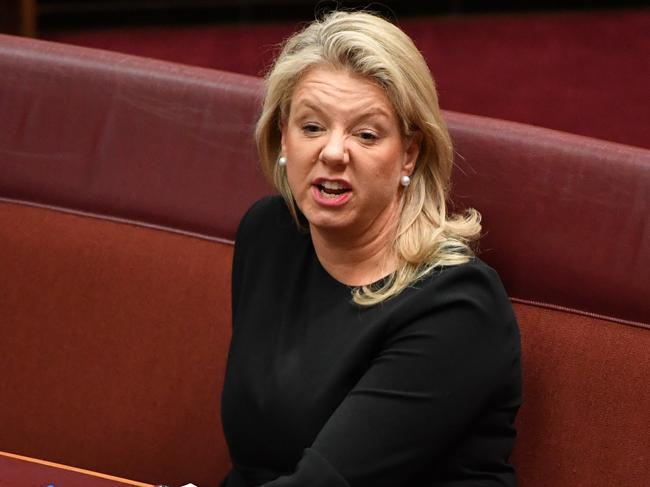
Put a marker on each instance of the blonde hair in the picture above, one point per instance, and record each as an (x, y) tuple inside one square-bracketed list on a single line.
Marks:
[(372, 47)]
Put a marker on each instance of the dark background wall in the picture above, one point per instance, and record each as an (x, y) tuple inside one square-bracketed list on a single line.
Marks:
[(47, 14)]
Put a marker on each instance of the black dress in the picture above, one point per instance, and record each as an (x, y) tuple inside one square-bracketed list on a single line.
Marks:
[(420, 390)]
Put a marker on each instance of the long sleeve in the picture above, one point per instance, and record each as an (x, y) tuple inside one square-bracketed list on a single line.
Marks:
[(434, 380), (421, 390)]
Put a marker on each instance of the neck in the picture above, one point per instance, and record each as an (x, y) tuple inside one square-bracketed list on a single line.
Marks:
[(358, 258)]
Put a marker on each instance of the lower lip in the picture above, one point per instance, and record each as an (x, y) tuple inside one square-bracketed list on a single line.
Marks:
[(327, 201)]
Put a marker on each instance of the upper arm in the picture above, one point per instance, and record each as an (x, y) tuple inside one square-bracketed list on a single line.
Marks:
[(432, 380), (434, 376), (247, 230)]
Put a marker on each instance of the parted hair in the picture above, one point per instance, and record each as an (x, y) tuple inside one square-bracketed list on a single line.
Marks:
[(367, 45)]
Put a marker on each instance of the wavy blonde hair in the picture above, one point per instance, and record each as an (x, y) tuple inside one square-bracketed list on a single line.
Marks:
[(369, 46)]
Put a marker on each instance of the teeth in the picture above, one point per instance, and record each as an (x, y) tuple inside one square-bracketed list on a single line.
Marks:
[(329, 195), (332, 185)]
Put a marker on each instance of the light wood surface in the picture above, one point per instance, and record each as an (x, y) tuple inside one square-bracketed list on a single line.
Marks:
[(75, 469)]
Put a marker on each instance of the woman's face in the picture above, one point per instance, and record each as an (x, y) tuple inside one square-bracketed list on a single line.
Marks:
[(345, 152)]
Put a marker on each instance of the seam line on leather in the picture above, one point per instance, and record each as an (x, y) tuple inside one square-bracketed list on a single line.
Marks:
[(226, 241), (576, 311), (117, 219)]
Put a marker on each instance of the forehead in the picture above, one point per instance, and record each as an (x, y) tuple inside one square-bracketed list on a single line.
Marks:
[(340, 91)]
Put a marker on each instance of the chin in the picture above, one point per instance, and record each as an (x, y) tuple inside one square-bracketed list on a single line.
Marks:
[(327, 222)]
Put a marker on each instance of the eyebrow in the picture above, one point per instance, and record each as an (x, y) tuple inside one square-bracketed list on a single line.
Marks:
[(370, 112)]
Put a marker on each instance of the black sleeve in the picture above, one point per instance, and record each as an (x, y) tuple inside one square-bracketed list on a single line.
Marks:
[(245, 235), (439, 371)]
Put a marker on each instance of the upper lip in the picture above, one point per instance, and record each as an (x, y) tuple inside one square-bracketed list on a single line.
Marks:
[(332, 183)]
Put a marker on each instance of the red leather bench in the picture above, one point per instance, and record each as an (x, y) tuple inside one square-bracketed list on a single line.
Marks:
[(122, 180)]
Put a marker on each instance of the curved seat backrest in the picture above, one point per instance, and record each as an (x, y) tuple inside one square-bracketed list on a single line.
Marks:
[(122, 181)]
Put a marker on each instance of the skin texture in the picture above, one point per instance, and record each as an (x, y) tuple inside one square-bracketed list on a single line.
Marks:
[(342, 129)]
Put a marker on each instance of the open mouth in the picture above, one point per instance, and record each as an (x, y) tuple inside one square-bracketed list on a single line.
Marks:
[(332, 189)]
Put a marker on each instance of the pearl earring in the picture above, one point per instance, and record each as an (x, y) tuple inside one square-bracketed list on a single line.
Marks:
[(405, 181), (282, 161)]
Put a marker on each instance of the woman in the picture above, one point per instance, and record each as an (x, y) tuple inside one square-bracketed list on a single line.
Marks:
[(370, 347)]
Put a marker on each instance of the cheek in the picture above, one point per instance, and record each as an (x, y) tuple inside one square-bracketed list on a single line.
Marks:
[(291, 177), (297, 175), (381, 187), (300, 159), (384, 180), (389, 171)]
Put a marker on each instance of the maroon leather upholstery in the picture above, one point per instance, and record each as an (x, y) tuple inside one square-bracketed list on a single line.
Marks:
[(122, 180), (566, 217), (125, 137), (113, 348), (169, 145)]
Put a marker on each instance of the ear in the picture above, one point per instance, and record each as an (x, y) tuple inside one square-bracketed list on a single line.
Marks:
[(411, 153)]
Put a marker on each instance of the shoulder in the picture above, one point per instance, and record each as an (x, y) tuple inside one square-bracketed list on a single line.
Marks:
[(268, 219), (266, 212), (267, 234), (465, 310), (473, 279), (261, 240), (267, 205), (465, 299)]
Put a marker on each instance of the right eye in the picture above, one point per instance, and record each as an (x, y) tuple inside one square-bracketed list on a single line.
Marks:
[(311, 128)]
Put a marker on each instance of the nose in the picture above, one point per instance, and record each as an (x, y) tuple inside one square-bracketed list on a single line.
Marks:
[(334, 151)]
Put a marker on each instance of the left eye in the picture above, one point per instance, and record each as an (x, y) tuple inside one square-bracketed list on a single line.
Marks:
[(367, 136)]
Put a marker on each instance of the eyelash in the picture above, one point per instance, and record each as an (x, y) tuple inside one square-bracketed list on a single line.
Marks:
[(368, 136), (311, 128), (365, 135)]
